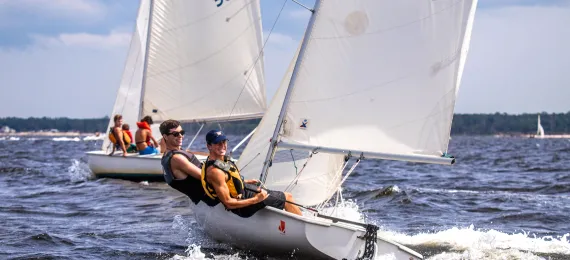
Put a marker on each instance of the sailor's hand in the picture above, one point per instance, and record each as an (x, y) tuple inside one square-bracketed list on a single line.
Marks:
[(262, 195), (124, 154), (253, 181)]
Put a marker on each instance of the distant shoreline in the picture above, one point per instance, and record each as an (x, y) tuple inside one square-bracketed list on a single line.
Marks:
[(54, 134)]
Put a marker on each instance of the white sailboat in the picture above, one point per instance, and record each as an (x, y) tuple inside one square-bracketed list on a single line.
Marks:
[(539, 129), (373, 79), (193, 61)]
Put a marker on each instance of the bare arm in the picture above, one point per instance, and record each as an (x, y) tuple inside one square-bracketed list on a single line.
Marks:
[(152, 138), (217, 178), (119, 136), (181, 168)]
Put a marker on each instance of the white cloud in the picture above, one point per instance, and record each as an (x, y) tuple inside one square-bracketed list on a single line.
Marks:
[(300, 14), (68, 8), (519, 61), (280, 39), (278, 54), (72, 75), (112, 40)]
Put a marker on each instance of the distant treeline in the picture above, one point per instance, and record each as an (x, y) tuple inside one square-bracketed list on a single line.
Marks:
[(463, 124)]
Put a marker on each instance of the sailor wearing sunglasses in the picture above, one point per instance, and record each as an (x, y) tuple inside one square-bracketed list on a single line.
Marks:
[(182, 170)]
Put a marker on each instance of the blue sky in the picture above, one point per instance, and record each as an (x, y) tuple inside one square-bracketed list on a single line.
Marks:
[(65, 57)]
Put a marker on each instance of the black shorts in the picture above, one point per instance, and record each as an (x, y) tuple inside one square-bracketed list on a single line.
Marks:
[(276, 199)]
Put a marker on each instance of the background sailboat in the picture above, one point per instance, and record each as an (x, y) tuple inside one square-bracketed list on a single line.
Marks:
[(193, 61), (373, 79), (539, 129)]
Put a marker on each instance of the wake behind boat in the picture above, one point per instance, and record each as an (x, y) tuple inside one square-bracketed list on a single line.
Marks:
[(372, 79), (183, 56)]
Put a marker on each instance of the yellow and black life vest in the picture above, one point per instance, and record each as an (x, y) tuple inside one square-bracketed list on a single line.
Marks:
[(126, 138), (233, 179)]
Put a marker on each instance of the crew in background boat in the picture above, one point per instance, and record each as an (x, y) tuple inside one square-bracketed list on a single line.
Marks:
[(222, 181), (117, 136), (181, 169), (131, 148), (143, 137)]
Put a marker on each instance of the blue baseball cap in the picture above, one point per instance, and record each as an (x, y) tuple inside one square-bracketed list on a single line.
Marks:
[(215, 137)]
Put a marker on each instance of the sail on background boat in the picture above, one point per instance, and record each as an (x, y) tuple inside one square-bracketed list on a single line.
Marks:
[(193, 61), (202, 62), (201, 57), (128, 98)]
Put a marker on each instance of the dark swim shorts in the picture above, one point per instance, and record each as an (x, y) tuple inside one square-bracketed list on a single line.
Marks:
[(276, 199)]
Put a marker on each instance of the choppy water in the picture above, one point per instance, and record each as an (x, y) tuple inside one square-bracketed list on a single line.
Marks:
[(505, 198)]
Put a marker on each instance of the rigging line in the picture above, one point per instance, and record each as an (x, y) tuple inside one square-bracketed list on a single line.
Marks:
[(262, 149), (344, 179), (294, 181), (294, 164), (311, 10), (258, 56), (337, 177)]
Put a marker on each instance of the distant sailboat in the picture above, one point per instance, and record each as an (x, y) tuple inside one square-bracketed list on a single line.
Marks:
[(539, 130)]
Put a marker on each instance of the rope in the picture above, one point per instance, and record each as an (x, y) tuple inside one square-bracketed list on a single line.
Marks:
[(294, 164), (294, 181), (341, 182)]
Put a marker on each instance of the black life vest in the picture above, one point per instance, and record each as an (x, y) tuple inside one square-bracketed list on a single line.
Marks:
[(190, 186)]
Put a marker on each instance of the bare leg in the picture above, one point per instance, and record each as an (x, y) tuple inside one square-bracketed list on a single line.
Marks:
[(290, 207)]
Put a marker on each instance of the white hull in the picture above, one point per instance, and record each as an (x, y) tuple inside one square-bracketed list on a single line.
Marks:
[(134, 166), (277, 231)]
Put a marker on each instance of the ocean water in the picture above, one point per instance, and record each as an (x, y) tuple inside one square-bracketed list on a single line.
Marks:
[(505, 198)]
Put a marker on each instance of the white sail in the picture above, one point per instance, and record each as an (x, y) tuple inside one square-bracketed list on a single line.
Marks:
[(539, 130), (129, 94), (204, 61), (380, 76), (318, 180)]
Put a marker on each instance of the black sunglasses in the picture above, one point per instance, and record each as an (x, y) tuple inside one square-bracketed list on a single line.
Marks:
[(177, 134)]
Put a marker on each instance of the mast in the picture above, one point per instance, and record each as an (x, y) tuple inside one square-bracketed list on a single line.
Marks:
[(273, 145), (145, 65)]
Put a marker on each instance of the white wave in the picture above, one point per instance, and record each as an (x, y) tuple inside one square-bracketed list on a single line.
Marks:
[(66, 139), (9, 138), (78, 171), (345, 209), (93, 138), (491, 244)]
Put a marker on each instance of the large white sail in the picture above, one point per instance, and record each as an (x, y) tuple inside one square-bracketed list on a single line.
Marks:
[(318, 181), (204, 61), (380, 76), (129, 94)]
